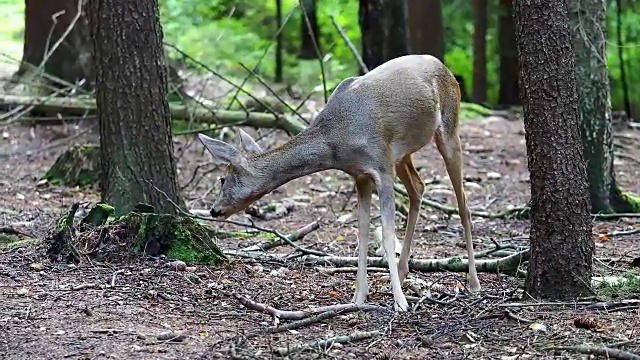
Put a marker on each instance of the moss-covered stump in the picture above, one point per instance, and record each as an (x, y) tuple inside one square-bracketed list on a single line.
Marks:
[(141, 232), (78, 166)]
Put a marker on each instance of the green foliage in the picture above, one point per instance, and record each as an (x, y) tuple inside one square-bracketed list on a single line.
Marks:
[(220, 33)]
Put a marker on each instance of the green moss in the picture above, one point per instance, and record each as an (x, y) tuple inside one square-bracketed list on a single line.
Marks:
[(99, 214), (78, 166), (246, 234), (633, 201), (454, 261), (8, 242), (179, 238)]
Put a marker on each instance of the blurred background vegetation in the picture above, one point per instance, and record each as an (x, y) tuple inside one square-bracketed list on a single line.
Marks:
[(220, 33)]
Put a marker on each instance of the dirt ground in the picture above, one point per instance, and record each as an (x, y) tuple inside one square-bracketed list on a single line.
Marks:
[(136, 310)]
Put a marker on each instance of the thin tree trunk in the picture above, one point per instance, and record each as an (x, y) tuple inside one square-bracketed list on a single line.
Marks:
[(135, 135), (71, 60), (588, 21), (560, 266), (426, 31), (307, 36), (480, 25), (508, 71)]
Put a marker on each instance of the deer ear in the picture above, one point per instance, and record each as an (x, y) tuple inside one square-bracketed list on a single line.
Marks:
[(223, 151), (248, 144)]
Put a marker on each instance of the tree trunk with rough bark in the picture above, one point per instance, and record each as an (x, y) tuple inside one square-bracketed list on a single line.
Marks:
[(71, 60), (131, 88), (508, 70), (308, 36), (480, 24), (383, 24), (588, 21), (426, 31), (560, 266)]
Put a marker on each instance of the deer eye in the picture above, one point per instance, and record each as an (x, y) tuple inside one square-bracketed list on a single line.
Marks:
[(221, 181)]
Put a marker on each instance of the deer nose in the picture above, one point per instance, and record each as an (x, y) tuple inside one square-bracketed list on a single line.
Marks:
[(215, 213)]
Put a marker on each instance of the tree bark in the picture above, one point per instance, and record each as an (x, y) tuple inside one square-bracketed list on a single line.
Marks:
[(383, 24), (133, 112), (426, 31), (508, 71), (308, 36), (560, 266), (588, 22), (71, 61), (480, 25)]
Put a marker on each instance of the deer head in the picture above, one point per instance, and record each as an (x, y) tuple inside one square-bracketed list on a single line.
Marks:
[(241, 183)]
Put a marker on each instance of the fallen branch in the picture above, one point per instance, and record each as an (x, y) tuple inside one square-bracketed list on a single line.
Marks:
[(323, 344), (349, 44), (295, 236), (194, 112), (518, 212), (608, 352), (453, 264), (301, 314), (296, 324)]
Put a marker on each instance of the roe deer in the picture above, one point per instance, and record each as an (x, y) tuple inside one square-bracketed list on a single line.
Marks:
[(369, 128)]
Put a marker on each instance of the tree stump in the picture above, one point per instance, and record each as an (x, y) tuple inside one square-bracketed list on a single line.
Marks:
[(78, 166)]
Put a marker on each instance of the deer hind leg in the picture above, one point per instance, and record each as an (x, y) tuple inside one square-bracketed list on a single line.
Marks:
[(448, 143), (415, 188), (384, 183), (364, 188)]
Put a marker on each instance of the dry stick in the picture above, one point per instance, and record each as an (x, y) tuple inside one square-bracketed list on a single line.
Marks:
[(275, 94), (349, 44), (301, 314), (264, 54), (299, 323), (48, 52), (295, 236), (610, 353), (317, 50), (448, 210), (252, 225), (223, 78), (323, 344), (515, 317)]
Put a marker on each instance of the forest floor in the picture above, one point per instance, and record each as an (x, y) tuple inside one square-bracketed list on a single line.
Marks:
[(47, 313)]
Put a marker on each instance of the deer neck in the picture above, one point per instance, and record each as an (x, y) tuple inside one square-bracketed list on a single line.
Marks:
[(303, 155)]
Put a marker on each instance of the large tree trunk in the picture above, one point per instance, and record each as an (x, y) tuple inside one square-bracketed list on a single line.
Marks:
[(426, 31), (587, 19), (383, 24), (131, 89), (508, 71), (71, 60), (560, 266), (480, 25), (309, 33)]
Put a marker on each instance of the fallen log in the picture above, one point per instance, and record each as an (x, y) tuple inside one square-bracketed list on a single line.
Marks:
[(77, 106)]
